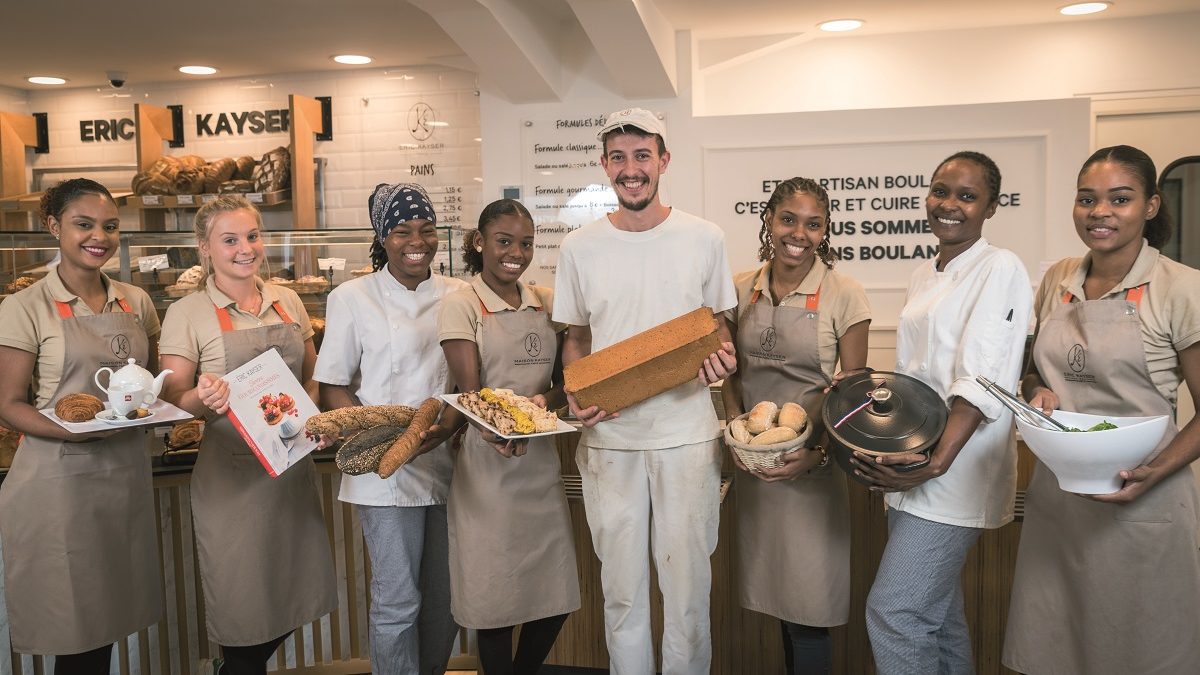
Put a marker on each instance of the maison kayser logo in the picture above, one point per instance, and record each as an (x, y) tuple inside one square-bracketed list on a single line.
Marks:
[(766, 340), (533, 345), (1077, 358)]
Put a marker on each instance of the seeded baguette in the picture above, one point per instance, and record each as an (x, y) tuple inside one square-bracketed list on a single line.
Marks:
[(361, 452), (345, 421), (405, 447)]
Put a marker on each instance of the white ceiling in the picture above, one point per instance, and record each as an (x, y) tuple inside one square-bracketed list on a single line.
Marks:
[(81, 39)]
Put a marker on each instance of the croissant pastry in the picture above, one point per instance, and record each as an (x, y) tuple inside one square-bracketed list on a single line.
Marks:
[(185, 434), (78, 407), (344, 421), (361, 452), (404, 449)]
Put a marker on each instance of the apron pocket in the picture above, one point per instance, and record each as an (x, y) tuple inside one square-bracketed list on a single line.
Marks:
[(1156, 505), (84, 448)]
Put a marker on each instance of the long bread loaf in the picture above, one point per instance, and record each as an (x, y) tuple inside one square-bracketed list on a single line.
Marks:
[(345, 421), (405, 447), (361, 452)]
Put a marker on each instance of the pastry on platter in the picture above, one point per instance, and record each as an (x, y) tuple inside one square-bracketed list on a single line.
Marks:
[(78, 407), (508, 412)]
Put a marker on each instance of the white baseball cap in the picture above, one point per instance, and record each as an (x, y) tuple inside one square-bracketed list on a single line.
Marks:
[(639, 118)]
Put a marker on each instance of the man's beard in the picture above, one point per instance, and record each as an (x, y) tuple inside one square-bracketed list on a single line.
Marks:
[(638, 205)]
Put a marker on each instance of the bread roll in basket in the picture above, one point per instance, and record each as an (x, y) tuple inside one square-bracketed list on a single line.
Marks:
[(760, 457)]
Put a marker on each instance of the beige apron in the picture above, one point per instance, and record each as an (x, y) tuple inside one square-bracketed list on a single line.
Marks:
[(512, 556), (1101, 588), (793, 537), (264, 554), (81, 567)]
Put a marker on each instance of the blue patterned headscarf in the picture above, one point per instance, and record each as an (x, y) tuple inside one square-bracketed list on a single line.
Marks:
[(391, 205)]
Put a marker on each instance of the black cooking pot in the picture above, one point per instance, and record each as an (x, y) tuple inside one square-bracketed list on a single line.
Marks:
[(881, 413)]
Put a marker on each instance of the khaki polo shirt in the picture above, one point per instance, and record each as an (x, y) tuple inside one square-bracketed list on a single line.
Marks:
[(29, 321), (843, 303), (461, 317), (191, 328), (1169, 311)]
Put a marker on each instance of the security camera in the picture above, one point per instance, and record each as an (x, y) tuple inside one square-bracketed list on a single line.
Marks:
[(116, 78)]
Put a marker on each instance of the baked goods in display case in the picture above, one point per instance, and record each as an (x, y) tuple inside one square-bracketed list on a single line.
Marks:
[(9, 440), (318, 326), (19, 284), (192, 175), (187, 282)]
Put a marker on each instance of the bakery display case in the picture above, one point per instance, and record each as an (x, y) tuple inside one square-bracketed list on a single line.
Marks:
[(167, 264)]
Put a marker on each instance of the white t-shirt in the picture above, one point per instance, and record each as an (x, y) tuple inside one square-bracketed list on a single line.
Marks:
[(381, 342), (621, 283), (968, 320)]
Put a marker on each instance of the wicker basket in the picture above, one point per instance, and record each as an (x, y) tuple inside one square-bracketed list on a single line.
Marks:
[(759, 457)]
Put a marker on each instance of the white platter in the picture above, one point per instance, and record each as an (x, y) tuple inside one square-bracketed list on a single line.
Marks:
[(161, 413), (452, 399)]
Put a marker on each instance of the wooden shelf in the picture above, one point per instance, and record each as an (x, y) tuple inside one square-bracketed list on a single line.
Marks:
[(31, 202), (277, 198)]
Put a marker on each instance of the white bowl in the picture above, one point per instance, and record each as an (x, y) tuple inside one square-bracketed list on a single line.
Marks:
[(1090, 462)]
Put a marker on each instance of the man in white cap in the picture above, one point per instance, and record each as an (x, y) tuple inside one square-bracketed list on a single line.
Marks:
[(642, 265)]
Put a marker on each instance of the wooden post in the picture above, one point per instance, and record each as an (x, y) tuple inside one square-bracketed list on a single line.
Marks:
[(152, 126), (17, 132), (305, 123)]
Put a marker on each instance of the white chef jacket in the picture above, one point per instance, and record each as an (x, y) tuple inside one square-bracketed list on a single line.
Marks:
[(381, 342), (971, 319)]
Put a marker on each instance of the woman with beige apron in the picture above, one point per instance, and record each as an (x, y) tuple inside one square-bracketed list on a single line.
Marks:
[(793, 522), (1111, 583), (76, 511), (264, 556), (512, 556)]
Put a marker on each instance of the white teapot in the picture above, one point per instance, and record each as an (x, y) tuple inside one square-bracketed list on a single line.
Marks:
[(133, 377)]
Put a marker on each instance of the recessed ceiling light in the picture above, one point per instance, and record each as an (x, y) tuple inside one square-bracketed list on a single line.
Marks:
[(197, 70), (840, 25), (1081, 8), (437, 123), (46, 79), (352, 59), (478, 140)]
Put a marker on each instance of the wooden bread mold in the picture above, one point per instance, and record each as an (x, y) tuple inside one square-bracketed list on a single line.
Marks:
[(756, 455), (644, 365)]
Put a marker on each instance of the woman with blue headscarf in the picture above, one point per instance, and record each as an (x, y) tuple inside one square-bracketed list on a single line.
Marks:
[(381, 348)]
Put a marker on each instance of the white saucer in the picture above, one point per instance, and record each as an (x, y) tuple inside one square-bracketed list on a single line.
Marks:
[(110, 417)]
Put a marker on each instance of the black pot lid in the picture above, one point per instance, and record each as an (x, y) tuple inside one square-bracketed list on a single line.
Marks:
[(882, 412)]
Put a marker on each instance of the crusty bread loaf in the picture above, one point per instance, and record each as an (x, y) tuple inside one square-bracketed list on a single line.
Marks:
[(762, 417), (773, 436), (344, 421), (737, 429), (188, 181), (245, 168), (404, 449), (242, 186), (793, 416), (646, 364), (218, 172)]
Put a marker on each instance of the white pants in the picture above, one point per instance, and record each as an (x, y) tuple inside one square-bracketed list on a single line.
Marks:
[(666, 502)]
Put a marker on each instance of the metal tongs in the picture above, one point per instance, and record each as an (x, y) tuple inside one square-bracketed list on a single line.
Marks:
[(1020, 408)]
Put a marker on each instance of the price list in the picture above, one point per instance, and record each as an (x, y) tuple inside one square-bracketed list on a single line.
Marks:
[(563, 183)]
